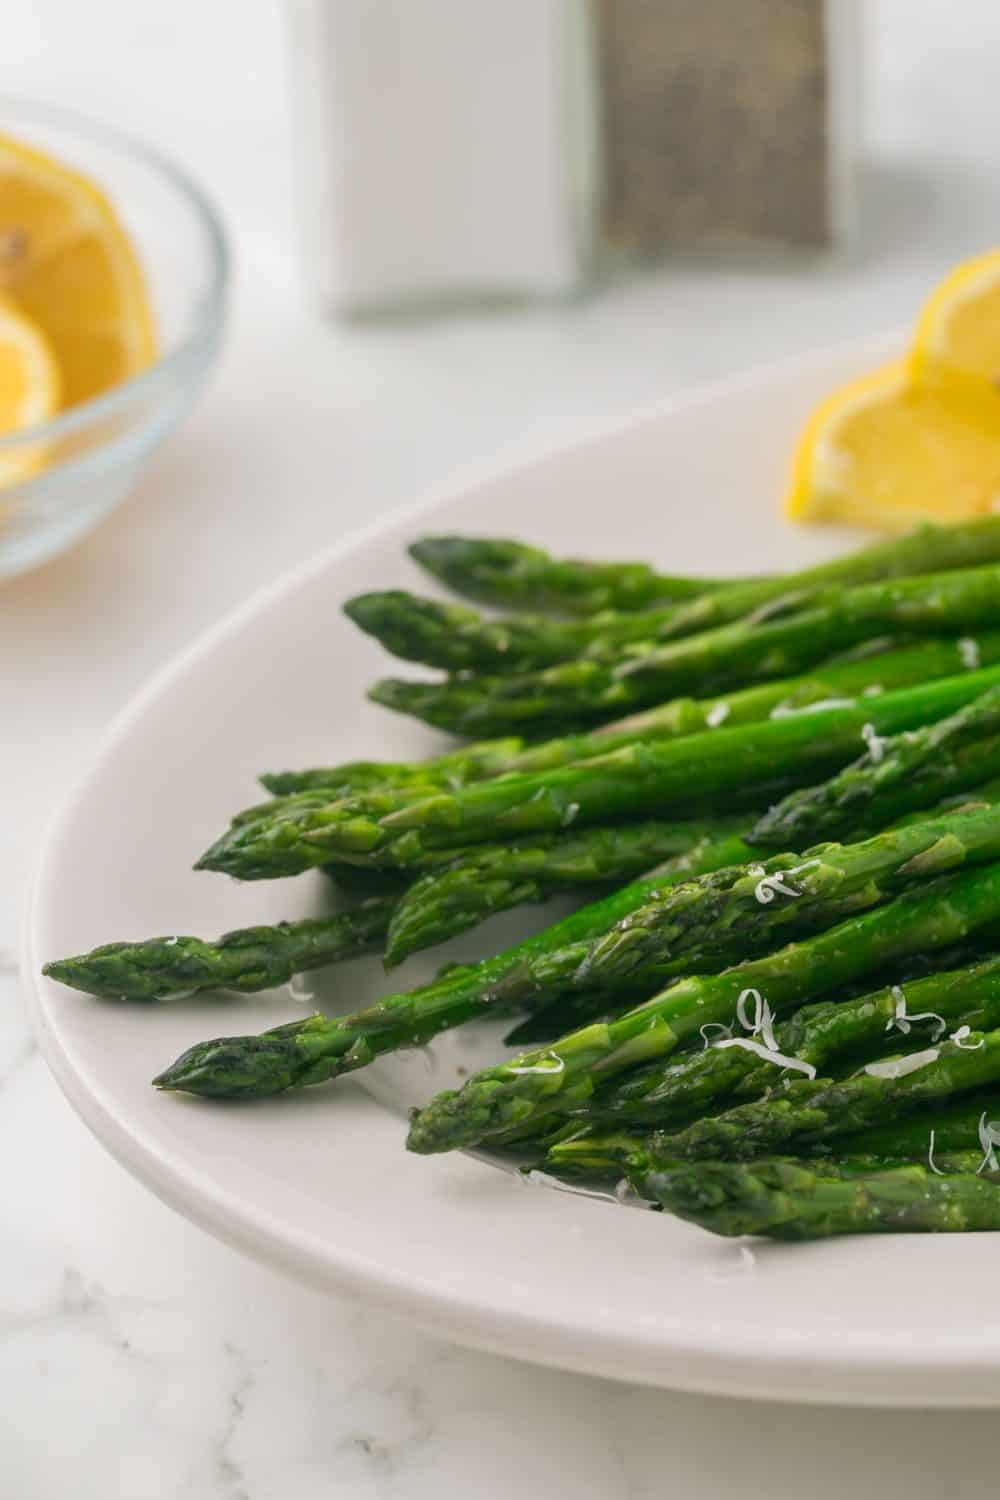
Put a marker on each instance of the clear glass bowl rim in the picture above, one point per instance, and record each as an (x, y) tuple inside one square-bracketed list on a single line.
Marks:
[(209, 310)]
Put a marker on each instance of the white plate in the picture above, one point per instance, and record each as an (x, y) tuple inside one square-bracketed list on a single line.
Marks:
[(318, 1182)]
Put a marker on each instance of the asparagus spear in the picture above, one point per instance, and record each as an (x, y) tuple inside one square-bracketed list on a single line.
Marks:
[(894, 776), (730, 767), (795, 1201), (949, 1126), (748, 908), (904, 667), (509, 573), (252, 958), (491, 878), (321, 1047), (587, 690), (803, 1112), (927, 549), (817, 1036), (748, 652), (559, 1078), (455, 768), (459, 639), (681, 716)]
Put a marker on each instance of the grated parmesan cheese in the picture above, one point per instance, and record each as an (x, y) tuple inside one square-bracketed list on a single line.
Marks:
[(899, 1067), (960, 1036), (769, 1054), (717, 714), (903, 1022), (788, 710), (768, 886), (989, 1139), (968, 650), (930, 1157), (713, 1026), (874, 742)]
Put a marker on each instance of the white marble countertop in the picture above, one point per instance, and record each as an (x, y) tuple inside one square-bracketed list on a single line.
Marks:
[(138, 1358)]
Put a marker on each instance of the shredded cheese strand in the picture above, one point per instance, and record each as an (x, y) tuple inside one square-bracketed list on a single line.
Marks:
[(989, 1139), (903, 1022), (930, 1158), (874, 742), (769, 1054), (898, 1067), (968, 650), (768, 885)]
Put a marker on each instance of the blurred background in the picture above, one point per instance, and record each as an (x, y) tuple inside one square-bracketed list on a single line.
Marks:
[(384, 410)]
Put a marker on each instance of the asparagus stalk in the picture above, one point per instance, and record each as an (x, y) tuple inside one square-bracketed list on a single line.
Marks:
[(509, 573), (321, 1047), (903, 667), (250, 959), (817, 1036), (794, 1201), (804, 1112), (949, 1126), (730, 767), (456, 767), (491, 878), (840, 617), (584, 690), (927, 549), (560, 1078), (459, 639), (748, 908), (894, 776)]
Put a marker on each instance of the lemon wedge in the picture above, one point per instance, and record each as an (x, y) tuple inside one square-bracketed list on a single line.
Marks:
[(887, 453), (67, 262), (956, 346), (29, 390)]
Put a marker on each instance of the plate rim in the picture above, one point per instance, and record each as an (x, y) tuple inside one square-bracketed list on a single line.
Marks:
[(866, 1373)]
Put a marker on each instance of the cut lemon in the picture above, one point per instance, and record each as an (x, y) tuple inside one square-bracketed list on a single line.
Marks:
[(883, 452), (68, 263), (29, 390), (956, 347)]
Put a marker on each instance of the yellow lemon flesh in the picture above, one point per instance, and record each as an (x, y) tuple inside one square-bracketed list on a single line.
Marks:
[(29, 390), (884, 452), (956, 347), (919, 440), (68, 264)]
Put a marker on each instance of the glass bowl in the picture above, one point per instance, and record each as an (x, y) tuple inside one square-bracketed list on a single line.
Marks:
[(93, 452)]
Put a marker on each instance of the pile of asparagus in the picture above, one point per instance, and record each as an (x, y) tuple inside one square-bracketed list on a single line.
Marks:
[(781, 1013)]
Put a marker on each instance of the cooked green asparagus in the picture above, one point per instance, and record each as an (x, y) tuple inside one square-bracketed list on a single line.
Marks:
[(510, 573), (252, 958), (320, 1047), (814, 1037), (789, 1200), (731, 766), (903, 667), (583, 691), (894, 776), (804, 1112), (934, 603), (491, 878), (559, 1078), (459, 639)]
